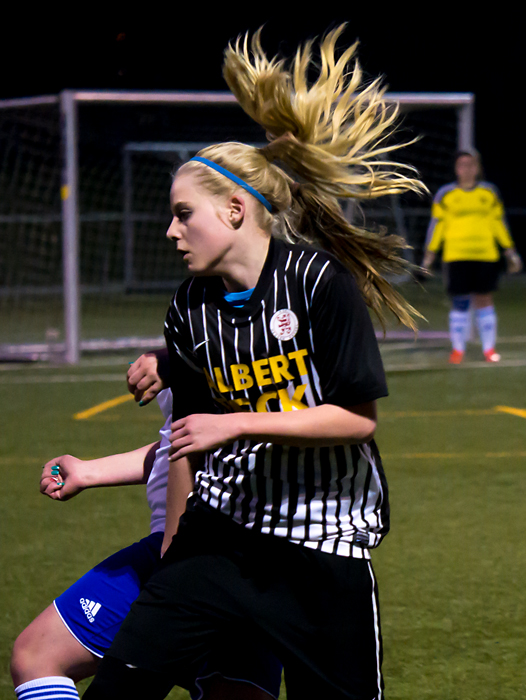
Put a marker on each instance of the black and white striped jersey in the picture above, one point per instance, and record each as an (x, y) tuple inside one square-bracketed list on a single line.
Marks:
[(303, 339)]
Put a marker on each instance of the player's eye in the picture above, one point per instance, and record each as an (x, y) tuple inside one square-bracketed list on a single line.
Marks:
[(183, 214)]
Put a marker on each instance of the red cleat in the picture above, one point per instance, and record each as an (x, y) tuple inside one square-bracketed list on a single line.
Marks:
[(492, 356), (456, 357)]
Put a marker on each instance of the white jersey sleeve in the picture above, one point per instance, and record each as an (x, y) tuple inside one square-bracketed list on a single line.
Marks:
[(157, 483)]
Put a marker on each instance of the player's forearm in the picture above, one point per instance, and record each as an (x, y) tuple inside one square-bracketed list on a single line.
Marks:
[(120, 469), (311, 427), (318, 426), (429, 259), (180, 484)]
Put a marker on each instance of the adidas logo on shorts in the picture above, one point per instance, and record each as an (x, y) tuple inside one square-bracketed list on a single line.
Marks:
[(90, 607)]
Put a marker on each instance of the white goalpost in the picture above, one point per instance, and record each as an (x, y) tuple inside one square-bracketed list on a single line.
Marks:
[(84, 180)]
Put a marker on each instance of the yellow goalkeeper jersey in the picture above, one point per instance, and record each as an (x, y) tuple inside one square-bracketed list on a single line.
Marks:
[(468, 224)]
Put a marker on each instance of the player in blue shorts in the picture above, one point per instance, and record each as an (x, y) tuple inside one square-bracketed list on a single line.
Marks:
[(66, 641)]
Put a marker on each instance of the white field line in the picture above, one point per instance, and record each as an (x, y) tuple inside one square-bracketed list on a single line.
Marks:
[(65, 379), (412, 367)]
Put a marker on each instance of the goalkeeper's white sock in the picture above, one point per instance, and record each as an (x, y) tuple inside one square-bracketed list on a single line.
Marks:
[(48, 688), (487, 327), (458, 329)]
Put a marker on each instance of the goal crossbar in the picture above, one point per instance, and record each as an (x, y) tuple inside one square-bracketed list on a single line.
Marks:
[(69, 100)]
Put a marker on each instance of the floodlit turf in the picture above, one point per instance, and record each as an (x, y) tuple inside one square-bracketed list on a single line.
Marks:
[(451, 572)]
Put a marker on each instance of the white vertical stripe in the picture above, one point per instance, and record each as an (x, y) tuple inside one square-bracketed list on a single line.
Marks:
[(317, 385), (318, 279), (252, 355), (223, 357), (207, 337), (264, 320), (298, 263), (307, 308), (376, 633), (289, 306), (372, 514), (276, 287), (305, 274), (189, 312), (176, 307), (311, 298), (236, 348), (360, 496)]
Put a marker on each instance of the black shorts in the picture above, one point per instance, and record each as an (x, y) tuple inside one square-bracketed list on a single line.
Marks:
[(317, 612), (471, 277)]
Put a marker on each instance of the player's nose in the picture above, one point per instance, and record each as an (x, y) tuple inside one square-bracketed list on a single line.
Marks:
[(173, 231)]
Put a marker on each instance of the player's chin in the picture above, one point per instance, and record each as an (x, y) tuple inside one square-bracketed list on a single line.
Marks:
[(200, 271), (192, 265)]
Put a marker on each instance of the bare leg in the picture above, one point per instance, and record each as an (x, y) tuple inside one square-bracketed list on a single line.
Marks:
[(47, 648)]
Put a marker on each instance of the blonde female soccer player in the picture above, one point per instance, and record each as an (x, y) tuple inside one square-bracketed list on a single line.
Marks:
[(468, 226), (275, 542)]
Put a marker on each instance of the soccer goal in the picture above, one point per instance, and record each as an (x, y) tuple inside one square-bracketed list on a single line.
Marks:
[(84, 180)]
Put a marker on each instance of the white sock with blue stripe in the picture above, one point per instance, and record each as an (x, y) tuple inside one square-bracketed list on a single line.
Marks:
[(487, 327), (49, 688), (458, 329)]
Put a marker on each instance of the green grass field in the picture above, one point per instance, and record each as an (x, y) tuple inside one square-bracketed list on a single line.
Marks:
[(451, 572)]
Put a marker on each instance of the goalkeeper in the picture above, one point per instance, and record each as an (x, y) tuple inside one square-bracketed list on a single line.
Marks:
[(468, 225)]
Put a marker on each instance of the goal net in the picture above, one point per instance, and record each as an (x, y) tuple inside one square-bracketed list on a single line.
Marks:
[(84, 180)]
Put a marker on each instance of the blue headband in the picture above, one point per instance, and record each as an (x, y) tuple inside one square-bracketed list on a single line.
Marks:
[(264, 201)]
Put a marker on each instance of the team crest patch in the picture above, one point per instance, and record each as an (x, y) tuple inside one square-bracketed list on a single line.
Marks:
[(284, 324)]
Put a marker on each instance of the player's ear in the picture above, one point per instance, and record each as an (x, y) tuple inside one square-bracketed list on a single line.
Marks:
[(236, 210)]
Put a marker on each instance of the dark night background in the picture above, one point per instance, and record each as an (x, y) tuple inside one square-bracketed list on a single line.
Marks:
[(181, 49)]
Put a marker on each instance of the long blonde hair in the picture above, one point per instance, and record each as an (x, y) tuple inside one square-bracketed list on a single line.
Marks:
[(332, 139)]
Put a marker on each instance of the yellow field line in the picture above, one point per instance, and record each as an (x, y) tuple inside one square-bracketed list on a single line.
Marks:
[(99, 408), (388, 414), (521, 412), (513, 411)]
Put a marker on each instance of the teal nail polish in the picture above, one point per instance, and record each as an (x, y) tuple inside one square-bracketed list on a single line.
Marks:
[(141, 403), (60, 483)]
